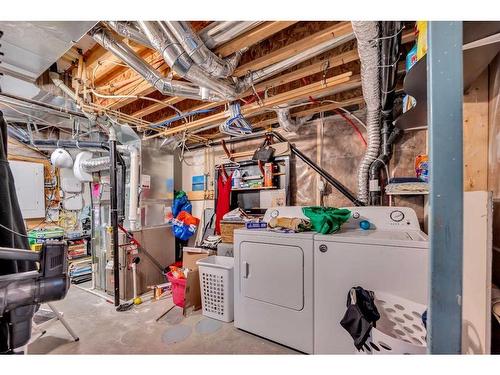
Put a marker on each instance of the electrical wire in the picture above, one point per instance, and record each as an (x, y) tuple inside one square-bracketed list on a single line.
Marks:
[(14, 232)]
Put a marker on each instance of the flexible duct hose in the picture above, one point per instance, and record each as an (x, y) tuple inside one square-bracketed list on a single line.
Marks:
[(96, 165), (367, 33)]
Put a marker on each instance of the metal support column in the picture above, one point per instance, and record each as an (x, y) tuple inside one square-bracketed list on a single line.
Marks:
[(445, 98)]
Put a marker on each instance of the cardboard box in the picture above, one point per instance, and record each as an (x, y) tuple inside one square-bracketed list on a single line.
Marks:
[(192, 254), (192, 293)]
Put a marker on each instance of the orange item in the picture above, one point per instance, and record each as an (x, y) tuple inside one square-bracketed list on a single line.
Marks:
[(268, 174), (176, 272), (187, 218)]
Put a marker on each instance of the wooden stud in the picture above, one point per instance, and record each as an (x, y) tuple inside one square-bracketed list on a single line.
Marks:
[(476, 135)]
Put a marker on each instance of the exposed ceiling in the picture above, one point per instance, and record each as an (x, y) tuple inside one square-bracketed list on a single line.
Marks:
[(30, 48)]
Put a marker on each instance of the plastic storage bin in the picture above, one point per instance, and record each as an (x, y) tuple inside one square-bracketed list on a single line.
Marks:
[(178, 289), (400, 329), (216, 284)]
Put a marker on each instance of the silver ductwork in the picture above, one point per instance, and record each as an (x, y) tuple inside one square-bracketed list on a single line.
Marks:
[(286, 121), (219, 33), (367, 34), (201, 85), (200, 54), (129, 30), (271, 70), (166, 86), (179, 61), (95, 165)]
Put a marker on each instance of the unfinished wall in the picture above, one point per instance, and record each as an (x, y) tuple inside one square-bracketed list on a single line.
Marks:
[(336, 147)]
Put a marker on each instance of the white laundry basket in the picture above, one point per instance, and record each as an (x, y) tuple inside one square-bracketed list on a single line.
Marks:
[(400, 329), (216, 284)]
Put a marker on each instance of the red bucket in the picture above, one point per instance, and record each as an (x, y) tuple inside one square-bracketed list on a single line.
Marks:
[(178, 288)]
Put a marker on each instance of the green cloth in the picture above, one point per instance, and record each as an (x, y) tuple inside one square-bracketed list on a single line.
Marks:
[(326, 220)]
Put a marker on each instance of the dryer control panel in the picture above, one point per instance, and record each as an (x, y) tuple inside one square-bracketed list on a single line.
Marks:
[(383, 218)]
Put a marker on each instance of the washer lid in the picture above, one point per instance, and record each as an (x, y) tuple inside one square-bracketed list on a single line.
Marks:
[(409, 238)]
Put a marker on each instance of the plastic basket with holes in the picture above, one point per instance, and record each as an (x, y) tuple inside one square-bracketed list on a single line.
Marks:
[(400, 329), (216, 284)]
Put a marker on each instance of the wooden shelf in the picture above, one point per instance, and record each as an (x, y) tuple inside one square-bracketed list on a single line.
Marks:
[(409, 193), (256, 188)]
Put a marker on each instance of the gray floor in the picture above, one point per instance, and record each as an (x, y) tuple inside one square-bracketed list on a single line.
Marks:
[(102, 330)]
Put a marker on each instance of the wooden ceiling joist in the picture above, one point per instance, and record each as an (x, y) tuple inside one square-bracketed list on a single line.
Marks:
[(284, 53), (332, 62), (253, 36), (292, 49), (314, 89)]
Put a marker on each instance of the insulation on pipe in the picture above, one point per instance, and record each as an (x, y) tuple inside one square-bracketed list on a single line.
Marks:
[(367, 34), (286, 121), (200, 54)]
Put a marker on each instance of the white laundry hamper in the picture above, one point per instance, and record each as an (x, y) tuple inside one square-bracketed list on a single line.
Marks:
[(216, 284), (400, 329)]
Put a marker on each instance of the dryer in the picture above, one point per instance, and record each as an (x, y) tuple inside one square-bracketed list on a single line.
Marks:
[(390, 257), (273, 283)]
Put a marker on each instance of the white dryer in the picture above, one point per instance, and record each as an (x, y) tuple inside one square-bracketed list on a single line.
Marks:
[(389, 257), (273, 283)]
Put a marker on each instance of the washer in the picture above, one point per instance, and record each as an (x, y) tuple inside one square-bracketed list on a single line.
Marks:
[(391, 257), (273, 283)]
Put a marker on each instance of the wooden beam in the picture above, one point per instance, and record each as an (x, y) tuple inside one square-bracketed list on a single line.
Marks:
[(254, 36), (283, 79), (295, 48), (316, 88), (332, 62), (157, 106)]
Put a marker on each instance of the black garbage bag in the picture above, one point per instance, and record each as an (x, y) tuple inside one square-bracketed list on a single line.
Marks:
[(361, 315)]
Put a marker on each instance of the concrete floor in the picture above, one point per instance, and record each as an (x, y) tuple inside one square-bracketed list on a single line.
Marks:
[(102, 330)]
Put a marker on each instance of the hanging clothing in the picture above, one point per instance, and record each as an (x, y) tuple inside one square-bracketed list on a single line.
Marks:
[(361, 315), (223, 197)]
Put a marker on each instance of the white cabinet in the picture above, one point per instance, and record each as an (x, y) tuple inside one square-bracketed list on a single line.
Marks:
[(30, 183)]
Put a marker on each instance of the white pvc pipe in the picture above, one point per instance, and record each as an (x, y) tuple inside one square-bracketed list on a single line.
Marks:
[(134, 184), (134, 187)]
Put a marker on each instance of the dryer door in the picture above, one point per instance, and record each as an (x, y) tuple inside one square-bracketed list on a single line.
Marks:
[(273, 273)]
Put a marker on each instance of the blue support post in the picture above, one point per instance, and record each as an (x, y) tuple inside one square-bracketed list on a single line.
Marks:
[(445, 100)]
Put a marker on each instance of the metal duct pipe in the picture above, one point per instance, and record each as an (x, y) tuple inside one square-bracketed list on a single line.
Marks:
[(174, 55), (367, 34), (271, 70), (165, 85), (96, 165), (287, 123), (226, 31), (130, 31), (389, 57), (201, 55)]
